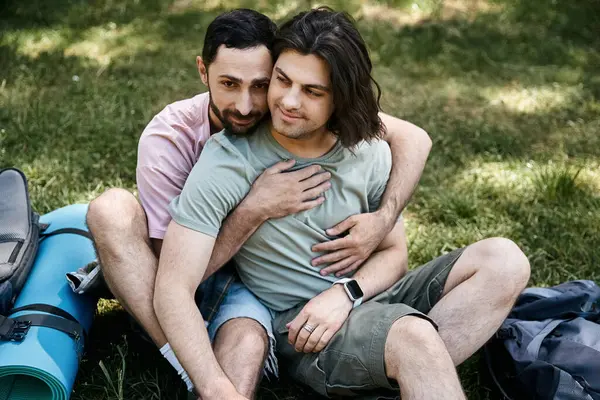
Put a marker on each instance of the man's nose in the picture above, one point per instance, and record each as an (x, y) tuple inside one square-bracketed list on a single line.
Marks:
[(244, 104), (291, 100)]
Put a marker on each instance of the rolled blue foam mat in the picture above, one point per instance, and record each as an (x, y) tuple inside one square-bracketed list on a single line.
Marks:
[(44, 365)]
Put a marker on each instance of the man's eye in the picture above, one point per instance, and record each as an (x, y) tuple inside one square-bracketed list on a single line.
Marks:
[(282, 80), (228, 84), (262, 86)]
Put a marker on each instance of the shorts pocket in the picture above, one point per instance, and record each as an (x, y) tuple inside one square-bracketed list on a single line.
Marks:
[(312, 375), (434, 292), (345, 374)]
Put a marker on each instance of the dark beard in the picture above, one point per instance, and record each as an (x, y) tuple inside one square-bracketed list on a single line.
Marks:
[(228, 125)]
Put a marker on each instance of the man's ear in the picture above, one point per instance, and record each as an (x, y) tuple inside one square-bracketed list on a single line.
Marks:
[(202, 70)]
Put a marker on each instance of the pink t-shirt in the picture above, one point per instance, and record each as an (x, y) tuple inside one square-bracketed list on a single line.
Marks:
[(168, 150)]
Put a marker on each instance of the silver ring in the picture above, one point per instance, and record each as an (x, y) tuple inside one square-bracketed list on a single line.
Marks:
[(309, 328)]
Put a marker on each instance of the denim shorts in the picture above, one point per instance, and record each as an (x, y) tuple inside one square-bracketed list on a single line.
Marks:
[(239, 302)]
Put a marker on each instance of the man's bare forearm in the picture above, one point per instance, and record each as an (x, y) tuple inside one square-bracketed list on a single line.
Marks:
[(382, 270), (184, 328), (386, 265), (243, 221), (183, 261), (410, 146)]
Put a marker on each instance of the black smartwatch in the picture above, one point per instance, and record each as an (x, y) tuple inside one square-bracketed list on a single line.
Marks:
[(353, 290)]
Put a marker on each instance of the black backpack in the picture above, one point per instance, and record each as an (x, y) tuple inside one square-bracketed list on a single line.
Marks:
[(549, 346)]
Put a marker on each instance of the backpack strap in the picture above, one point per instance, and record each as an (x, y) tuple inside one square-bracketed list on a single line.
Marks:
[(488, 362), (536, 343), (542, 293)]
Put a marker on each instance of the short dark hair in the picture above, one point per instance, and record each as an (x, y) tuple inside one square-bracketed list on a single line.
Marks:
[(333, 37), (240, 29)]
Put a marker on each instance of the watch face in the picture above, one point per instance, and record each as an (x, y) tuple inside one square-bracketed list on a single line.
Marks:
[(354, 289)]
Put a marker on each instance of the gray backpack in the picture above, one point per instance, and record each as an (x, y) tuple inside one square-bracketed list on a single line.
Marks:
[(549, 346), (19, 233)]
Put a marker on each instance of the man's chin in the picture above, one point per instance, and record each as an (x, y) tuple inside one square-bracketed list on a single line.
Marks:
[(286, 130), (242, 129)]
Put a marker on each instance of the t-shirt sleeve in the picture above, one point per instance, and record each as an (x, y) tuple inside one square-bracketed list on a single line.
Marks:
[(217, 184), (156, 188), (161, 172)]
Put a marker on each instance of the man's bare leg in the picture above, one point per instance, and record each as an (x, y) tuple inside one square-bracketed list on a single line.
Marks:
[(478, 295), (241, 347), (118, 224), (416, 357)]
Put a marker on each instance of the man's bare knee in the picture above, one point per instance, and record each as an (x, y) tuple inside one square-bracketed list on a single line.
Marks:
[(504, 264), (413, 333), (118, 224), (115, 208), (243, 334), (116, 211), (241, 347)]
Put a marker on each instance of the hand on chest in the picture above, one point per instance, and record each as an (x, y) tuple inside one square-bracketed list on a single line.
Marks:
[(342, 200)]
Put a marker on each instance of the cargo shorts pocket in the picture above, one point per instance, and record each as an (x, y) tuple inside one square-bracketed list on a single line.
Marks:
[(345, 374), (303, 367)]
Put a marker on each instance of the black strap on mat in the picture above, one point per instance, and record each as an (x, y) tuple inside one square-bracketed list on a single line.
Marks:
[(71, 328), (16, 328), (11, 330), (74, 231), (44, 308)]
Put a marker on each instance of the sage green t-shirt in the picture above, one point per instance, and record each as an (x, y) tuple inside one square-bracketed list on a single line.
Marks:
[(275, 261)]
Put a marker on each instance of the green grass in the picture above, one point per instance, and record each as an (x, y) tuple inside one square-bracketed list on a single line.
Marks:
[(509, 91)]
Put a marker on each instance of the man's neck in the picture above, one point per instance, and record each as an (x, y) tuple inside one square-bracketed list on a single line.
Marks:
[(215, 122), (313, 145)]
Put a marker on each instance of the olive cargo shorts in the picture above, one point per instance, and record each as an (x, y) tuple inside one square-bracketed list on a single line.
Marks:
[(352, 364)]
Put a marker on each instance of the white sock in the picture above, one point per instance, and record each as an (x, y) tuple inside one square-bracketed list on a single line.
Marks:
[(168, 353)]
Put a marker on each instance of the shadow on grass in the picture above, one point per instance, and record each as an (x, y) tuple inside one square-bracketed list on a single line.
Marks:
[(120, 364), (77, 14)]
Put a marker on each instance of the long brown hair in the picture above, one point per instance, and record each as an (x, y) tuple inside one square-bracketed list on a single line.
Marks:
[(333, 37)]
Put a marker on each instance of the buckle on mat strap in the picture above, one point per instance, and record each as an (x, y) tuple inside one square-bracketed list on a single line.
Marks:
[(15, 331)]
